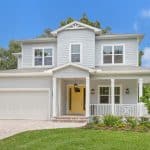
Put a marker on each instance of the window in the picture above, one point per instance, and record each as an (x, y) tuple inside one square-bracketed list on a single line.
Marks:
[(38, 57), (107, 53), (43, 57), (105, 95), (75, 52), (47, 56), (113, 54)]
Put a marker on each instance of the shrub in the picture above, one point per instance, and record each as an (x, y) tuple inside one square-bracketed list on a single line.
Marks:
[(111, 121), (132, 122), (96, 119)]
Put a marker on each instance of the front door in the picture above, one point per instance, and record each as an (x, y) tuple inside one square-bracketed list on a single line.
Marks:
[(76, 99)]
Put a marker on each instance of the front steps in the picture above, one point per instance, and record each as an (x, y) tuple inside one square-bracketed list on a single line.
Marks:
[(70, 118)]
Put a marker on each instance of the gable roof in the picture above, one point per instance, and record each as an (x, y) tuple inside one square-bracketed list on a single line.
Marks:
[(72, 65), (76, 25)]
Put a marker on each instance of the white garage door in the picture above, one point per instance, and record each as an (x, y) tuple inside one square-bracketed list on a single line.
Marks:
[(24, 104)]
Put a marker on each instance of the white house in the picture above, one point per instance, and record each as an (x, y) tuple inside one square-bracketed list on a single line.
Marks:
[(78, 71)]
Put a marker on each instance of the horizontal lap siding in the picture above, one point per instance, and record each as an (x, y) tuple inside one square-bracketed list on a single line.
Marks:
[(86, 37), (131, 50), (26, 82), (131, 98), (27, 53), (71, 72)]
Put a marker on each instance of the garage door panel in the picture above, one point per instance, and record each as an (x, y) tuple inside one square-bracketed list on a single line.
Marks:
[(24, 105)]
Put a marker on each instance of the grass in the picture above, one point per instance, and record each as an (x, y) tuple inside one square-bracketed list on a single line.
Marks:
[(77, 139)]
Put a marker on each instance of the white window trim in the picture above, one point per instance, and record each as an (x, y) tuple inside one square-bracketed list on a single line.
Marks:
[(102, 56), (33, 57), (81, 47), (98, 95)]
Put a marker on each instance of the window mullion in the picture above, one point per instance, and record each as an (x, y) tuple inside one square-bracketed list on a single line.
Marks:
[(113, 54), (43, 57)]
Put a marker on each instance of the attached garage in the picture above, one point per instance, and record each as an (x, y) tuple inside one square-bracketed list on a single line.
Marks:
[(25, 103)]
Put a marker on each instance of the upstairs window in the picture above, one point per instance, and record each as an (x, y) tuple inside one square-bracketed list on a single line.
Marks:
[(43, 57), (113, 54), (75, 50)]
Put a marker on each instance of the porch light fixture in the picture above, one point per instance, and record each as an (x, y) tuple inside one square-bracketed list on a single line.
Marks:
[(127, 91), (76, 88), (92, 91)]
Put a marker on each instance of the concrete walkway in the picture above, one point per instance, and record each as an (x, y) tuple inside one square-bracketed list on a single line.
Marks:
[(11, 127)]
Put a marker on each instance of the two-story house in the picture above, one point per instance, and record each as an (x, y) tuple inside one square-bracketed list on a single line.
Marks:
[(78, 71)]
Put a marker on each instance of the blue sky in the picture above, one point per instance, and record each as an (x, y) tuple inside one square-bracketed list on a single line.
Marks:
[(23, 19)]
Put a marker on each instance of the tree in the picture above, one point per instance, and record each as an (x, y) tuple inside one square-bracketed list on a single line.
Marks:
[(7, 59), (84, 19), (46, 33), (141, 53), (146, 97)]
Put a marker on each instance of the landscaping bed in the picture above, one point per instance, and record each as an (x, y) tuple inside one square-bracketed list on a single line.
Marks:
[(119, 123)]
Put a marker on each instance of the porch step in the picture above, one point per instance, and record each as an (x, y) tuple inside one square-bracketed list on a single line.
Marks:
[(70, 119)]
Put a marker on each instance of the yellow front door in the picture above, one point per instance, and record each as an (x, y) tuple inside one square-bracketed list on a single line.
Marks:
[(76, 99)]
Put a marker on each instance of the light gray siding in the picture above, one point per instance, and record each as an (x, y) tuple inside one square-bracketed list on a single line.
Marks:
[(26, 82), (85, 37), (71, 72), (131, 98), (131, 50), (27, 53), (19, 63)]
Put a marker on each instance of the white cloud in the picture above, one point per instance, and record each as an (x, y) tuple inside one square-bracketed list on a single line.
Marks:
[(145, 13), (146, 57)]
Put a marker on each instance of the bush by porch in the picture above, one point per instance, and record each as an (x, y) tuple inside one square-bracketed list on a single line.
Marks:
[(110, 122)]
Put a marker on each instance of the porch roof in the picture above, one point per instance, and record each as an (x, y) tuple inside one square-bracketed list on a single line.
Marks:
[(122, 70)]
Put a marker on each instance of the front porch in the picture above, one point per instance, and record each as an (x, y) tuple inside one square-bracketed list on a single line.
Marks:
[(97, 97)]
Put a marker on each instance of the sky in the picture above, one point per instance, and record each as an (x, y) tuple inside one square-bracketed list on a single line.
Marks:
[(25, 19)]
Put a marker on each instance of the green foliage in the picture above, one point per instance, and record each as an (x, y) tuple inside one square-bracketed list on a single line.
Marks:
[(146, 97), (132, 122), (47, 33), (141, 53), (7, 60), (111, 121), (84, 19), (96, 119)]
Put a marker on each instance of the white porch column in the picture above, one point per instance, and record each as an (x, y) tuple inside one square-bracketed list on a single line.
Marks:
[(87, 97), (112, 96), (140, 81), (54, 97)]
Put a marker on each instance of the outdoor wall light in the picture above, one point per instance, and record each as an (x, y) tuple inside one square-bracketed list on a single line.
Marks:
[(76, 88), (127, 91), (92, 91)]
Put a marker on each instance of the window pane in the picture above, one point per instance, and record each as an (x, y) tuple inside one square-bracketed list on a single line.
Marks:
[(38, 57), (104, 90), (118, 59), (107, 50), (38, 52), (75, 48), (38, 61), (117, 99), (107, 59), (75, 57), (48, 61), (104, 99), (117, 90), (118, 49), (47, 52)]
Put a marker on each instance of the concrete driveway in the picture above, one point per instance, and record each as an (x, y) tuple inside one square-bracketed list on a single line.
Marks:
[(11, 127)]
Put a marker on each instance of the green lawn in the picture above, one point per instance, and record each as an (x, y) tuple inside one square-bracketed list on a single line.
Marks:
[(77, 139)]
